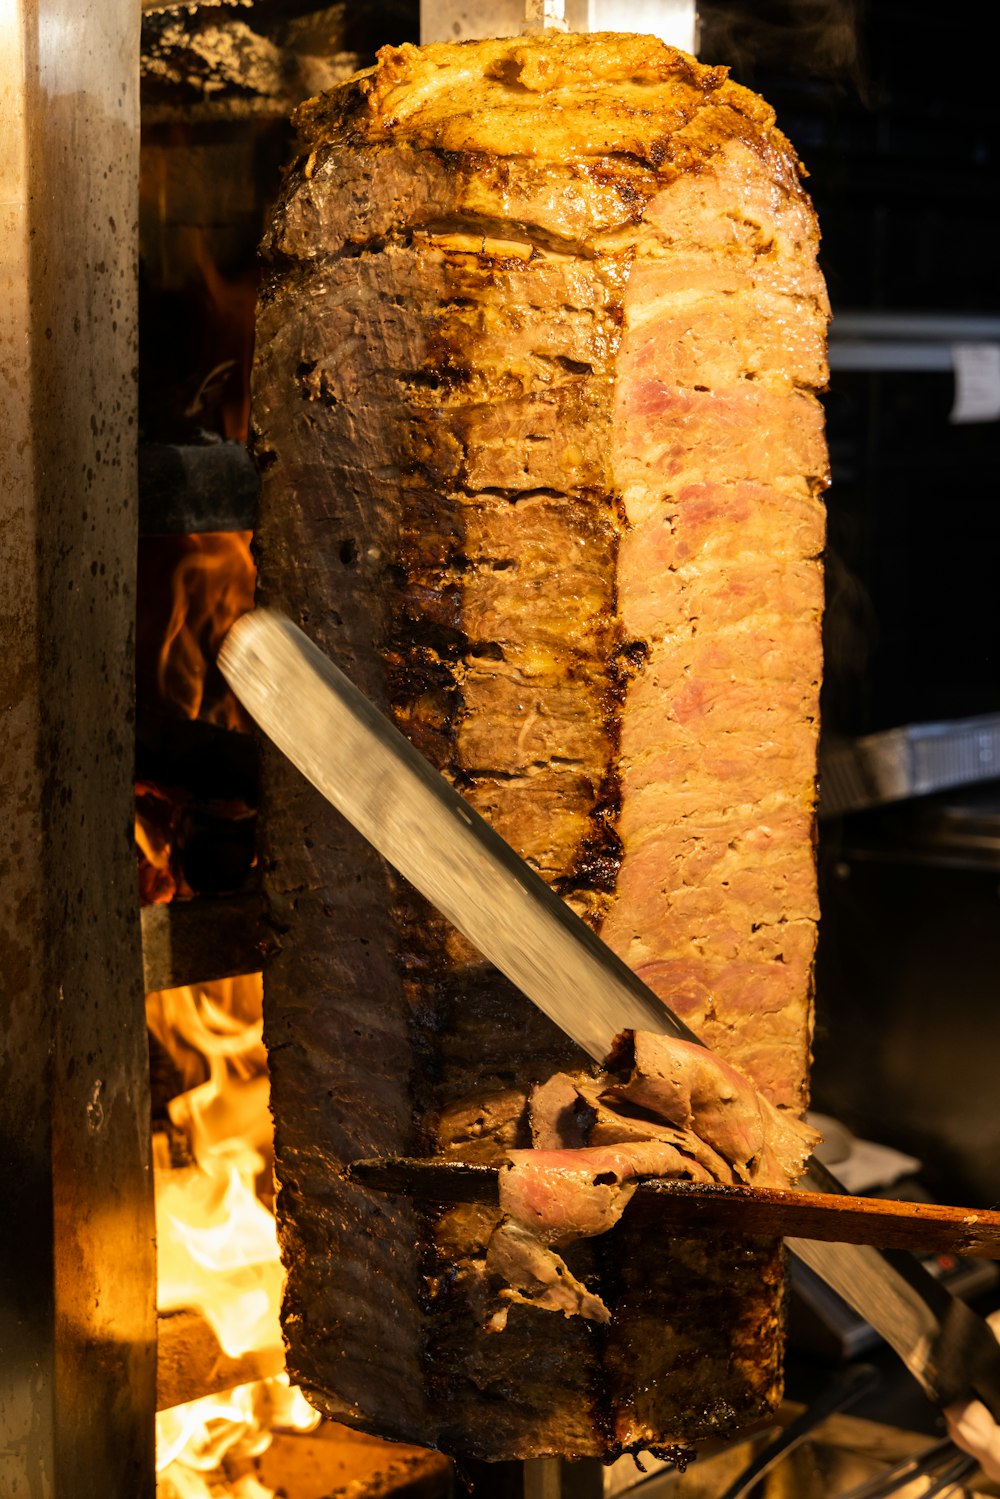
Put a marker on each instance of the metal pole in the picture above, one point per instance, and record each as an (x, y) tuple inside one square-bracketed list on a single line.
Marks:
[(77, 1254), (889, 354), (945, 327)]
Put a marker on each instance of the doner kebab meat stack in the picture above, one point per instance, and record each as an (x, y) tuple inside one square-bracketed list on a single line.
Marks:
[(534, 403)]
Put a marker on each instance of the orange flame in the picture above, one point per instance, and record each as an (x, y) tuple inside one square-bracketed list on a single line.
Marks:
[(157, 884), (194, 1441), (217, 1245), (218, 1249), (194, 588)]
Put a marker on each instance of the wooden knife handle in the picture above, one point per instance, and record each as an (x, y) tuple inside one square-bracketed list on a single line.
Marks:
[(691, 1206), (929, 1228)]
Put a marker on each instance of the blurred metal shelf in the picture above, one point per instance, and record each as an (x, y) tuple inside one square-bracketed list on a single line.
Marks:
[(914, 760), (946, 327), (919, 341)]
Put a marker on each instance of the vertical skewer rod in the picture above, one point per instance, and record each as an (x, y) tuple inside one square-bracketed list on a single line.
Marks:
[(543, 1478), (544, 15)]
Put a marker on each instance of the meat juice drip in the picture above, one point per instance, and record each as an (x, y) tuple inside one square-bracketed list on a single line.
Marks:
[(217, 1246)]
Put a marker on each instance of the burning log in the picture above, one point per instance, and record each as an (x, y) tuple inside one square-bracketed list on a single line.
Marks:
[(196, 800), (337, 1461), (191, 1363), (239, 1444)]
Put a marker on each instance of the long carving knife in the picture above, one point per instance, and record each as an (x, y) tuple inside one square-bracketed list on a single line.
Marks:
[(429, 833)]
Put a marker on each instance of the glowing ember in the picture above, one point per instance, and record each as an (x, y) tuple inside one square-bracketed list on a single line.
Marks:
[(154, 818)]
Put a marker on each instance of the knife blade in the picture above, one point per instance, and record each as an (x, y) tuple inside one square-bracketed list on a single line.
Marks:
[(361, 763)]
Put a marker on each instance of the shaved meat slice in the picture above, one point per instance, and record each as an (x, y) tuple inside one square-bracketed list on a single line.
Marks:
[(562, 1195), (665, 1108), (534, 1275), (697, 1091), (550, 1198), (612, 1125), (556, 1113)]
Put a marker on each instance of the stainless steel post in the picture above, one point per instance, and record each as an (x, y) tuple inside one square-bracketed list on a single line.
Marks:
[(77, 1261)]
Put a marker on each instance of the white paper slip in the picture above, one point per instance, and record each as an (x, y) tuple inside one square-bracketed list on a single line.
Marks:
[(977, 382)]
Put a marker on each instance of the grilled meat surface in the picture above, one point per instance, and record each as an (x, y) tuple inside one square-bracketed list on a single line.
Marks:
[(534, 406)]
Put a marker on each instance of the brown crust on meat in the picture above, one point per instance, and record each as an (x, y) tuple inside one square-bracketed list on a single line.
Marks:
[(459, 493), (630, 95)]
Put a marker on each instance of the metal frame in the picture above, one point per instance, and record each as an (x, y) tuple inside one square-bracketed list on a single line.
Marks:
[(674, 21)]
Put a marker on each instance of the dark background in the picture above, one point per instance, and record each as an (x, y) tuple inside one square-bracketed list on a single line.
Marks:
[(892, 109)]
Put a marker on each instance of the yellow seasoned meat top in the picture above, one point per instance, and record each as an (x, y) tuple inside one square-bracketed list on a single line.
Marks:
[(550, 97)]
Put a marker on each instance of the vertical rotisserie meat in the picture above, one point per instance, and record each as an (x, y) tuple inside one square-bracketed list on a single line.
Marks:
[(538, 342)]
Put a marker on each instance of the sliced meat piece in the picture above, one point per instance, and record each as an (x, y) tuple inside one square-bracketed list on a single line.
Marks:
[(668, 1109), (532, 1274), (697, 1091), (563, 1195)]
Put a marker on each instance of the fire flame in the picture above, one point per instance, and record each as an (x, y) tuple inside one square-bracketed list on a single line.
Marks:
[(218, 1249), (193, 1441), (217, 1244), (193, 587), (157, 882)]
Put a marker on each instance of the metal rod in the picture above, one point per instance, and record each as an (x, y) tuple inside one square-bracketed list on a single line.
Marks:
[(878, 354), (543, 1478), (944, 326)]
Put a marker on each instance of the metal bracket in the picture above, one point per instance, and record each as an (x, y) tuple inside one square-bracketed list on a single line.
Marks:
[(673, 21)]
